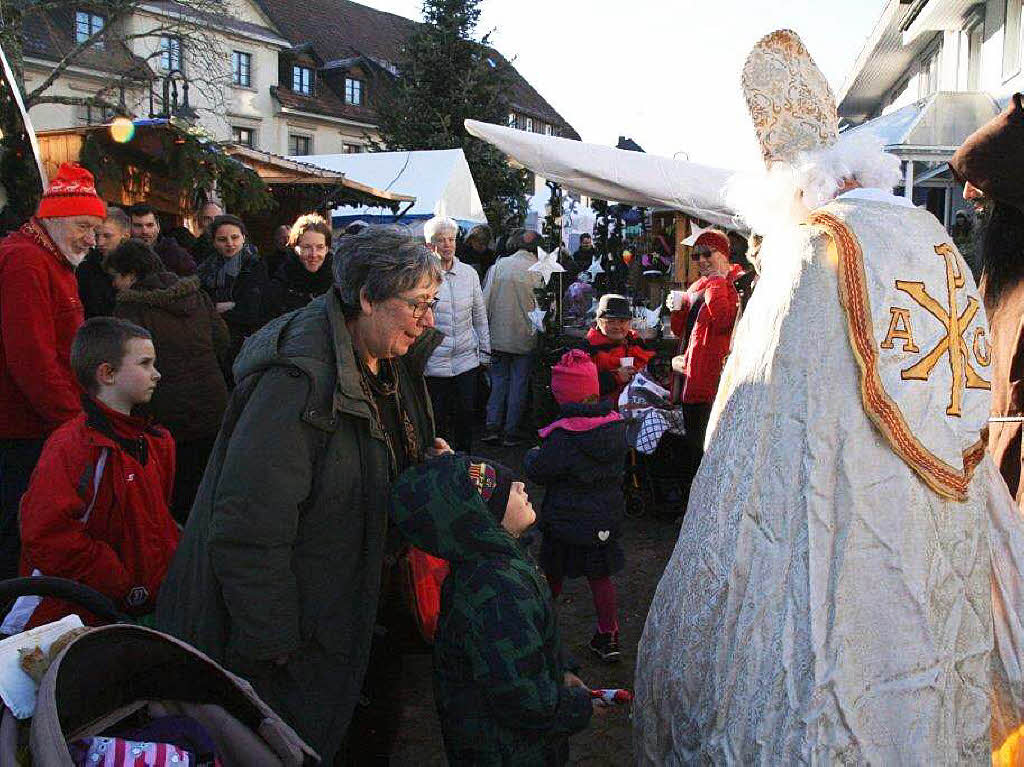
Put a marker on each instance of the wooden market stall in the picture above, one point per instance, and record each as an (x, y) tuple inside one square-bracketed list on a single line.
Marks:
[(299, 188)]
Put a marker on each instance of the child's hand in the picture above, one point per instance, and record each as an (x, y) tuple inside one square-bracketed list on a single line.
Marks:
[(569, 679), (624, 374), (439, 448), (225, 306)]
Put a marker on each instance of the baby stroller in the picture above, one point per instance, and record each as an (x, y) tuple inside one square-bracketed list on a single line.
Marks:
[(657, 458), (122, 691)]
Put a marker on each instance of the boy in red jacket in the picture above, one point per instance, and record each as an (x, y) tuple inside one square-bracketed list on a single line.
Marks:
[(96, 508)]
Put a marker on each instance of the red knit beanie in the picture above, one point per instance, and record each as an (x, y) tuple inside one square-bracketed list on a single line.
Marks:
[(574, 378), (71, 193), (714, 240)]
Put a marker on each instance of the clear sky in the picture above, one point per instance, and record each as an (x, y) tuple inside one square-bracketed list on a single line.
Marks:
[(663, 72)]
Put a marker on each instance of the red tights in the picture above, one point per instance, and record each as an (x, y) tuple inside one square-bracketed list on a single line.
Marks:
[(603, 591)]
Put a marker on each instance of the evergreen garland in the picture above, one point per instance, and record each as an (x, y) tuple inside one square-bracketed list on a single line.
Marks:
[(19, 174), (182, 159)]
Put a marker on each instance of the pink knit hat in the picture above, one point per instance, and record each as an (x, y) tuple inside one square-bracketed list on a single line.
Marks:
[(574, 378)]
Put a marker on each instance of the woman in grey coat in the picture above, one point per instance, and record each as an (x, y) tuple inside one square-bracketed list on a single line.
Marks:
[(454, 367)]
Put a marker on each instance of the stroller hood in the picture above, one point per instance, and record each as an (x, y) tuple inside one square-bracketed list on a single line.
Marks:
[(110, 671)]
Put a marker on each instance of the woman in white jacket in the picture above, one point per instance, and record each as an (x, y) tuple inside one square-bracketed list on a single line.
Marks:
[(461, 315)]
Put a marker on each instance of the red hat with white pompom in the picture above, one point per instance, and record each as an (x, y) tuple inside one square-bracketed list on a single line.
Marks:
[(71, 193)]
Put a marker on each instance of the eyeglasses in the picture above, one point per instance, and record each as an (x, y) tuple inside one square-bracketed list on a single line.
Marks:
[(419, 308)]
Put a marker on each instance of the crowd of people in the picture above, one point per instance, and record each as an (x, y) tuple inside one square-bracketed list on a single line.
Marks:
[(244, 451), (227, 477)]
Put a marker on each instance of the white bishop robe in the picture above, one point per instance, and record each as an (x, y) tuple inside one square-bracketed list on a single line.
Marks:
[(847, 584)]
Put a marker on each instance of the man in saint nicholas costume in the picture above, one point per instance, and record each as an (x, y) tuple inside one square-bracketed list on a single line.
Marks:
[(846, 587)]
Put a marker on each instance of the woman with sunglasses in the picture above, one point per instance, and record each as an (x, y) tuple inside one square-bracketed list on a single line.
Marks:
[(703, 319)]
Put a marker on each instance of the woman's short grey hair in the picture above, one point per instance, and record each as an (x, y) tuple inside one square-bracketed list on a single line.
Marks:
[(439, 225), (383, 262)]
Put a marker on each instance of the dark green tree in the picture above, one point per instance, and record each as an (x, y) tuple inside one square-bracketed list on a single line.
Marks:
[(445, 76)]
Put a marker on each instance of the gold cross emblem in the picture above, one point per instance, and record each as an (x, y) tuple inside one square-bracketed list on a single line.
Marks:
[(953, 343)]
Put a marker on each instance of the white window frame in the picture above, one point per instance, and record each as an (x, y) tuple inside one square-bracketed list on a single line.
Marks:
[(241, 76), (93, 23), (302, 79), (529, 125), (170, 53), (348, 147), (354, 91)]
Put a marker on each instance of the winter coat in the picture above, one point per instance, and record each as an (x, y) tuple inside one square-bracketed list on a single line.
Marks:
[(190, 340), (461, 316), (95, 289), (175, 257), (40, 311), (607, 355), (283, 551), (1006, 325), (581, 464), (96, 511), (711, 336), (292, 286), (481, 261), (498, 662), (509, 299), (247, 290)]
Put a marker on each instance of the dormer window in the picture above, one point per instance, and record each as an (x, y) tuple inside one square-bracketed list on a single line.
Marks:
[(302, 80), (353, 91), (86, 25)]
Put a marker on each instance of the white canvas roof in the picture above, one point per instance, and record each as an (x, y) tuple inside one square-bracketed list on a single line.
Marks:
[(439, 180), (615, 174)]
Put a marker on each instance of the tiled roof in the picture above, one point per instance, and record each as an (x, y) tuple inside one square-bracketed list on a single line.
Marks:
[(340, 29), (325, 102), (50, 35)]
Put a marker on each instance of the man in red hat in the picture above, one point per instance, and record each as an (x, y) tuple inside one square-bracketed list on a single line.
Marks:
[(39, 313)]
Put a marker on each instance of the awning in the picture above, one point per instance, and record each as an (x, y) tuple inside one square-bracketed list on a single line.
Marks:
[(615, 174), (931, 129), (438, 180), (276, 169)]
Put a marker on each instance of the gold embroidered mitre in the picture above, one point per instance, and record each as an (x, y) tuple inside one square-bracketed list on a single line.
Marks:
[(789, 99)]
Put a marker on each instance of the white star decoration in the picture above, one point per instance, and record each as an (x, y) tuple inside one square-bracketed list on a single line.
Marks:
[(547, 264), (595, 268), (649, 316), (695, 232), (537, 318)]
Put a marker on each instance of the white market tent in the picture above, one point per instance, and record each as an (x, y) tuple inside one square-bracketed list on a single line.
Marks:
[(439, 180), (616, 174)]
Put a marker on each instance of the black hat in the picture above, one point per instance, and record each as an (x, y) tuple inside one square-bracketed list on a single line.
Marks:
[(615, 307), (494, 483)]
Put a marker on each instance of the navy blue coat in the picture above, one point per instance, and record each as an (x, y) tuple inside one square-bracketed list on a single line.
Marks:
[(582, 472)]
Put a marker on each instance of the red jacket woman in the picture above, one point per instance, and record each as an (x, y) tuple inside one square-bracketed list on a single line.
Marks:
[(715, 301)]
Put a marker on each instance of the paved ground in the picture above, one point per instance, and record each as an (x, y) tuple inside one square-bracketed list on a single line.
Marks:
[(648, 542)]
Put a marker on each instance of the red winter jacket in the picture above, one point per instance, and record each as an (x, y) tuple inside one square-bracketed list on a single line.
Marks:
[(39, 314), (607, 355), (709, 340), (115, 534)]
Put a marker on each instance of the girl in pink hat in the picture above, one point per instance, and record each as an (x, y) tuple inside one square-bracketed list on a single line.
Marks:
[(581, 461)]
